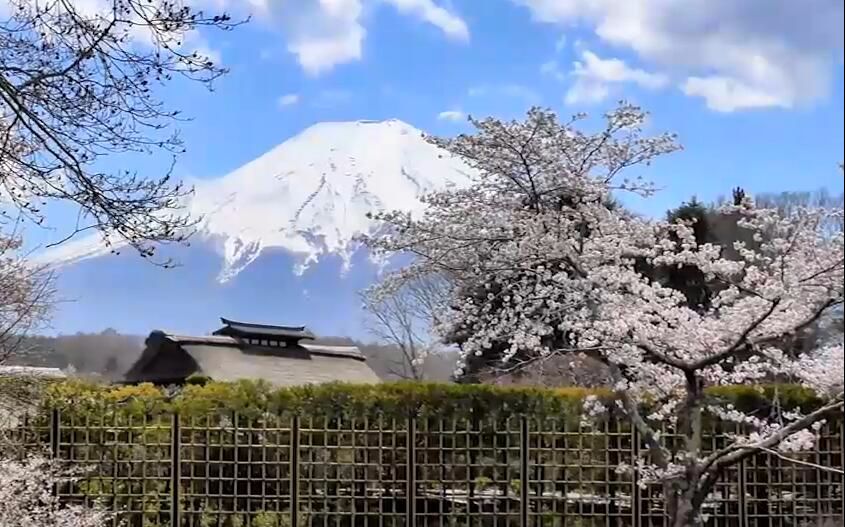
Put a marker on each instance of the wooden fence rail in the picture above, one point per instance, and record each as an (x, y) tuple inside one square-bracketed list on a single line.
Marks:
[(234, 470)]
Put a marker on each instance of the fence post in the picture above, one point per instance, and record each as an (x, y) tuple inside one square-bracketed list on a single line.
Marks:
[(175, 470), (743, 509), (842, 460), (524, 505), (294, 471), (55, 432), (636, 496), (411, 472), (55, 435)]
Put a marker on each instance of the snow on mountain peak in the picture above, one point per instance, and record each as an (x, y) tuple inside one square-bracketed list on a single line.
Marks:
[(311, 194)]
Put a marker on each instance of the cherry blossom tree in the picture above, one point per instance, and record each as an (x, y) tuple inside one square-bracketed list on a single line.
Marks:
[(27, 498), (79, 97), (539, 265)]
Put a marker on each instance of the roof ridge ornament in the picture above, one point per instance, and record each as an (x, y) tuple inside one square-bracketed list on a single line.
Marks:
[(251, 330)]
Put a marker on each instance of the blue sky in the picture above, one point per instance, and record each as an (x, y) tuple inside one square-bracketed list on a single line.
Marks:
[(785, 133), (753, 88)]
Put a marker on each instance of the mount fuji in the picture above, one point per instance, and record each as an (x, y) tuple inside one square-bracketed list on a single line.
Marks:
[(272, 235)]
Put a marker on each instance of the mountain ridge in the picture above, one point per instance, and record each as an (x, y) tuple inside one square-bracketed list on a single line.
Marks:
[(309, 195)]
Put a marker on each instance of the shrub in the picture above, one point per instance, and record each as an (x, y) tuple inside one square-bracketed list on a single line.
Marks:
[(253, 399)]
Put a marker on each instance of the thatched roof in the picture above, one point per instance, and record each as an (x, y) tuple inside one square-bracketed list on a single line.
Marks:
[(173, 358)]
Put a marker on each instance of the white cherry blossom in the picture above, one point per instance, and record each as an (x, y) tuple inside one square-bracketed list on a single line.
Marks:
[(27, 498), (541, 262)]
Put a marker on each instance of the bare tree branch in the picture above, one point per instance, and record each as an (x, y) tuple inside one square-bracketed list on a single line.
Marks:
[(26, 296), (403, 319), (77, 84)]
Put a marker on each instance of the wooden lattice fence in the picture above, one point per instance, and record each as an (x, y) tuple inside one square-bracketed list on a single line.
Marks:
[(272, 470)]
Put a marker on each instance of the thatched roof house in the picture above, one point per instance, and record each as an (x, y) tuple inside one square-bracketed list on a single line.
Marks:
[(241, 350)]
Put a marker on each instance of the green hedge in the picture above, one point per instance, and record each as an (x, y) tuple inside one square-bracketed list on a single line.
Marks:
[(397, 399), (335, 400)]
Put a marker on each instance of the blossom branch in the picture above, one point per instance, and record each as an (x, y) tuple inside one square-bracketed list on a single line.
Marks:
[(800, 462), (740, 341), (736, 452)]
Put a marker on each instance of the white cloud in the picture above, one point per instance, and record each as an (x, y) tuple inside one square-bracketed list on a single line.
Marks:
[(451, 24), (451, 115), (289, 100), (594, 75), (325, 33), (320, 33), (724, 94), (586, 93), (750, 52)]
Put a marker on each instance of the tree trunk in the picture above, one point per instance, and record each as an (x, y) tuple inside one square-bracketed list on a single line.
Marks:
[(681, 506), (682, 501), (685, 514)]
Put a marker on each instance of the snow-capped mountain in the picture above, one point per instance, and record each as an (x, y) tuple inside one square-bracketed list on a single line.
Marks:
[(310, 195)]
